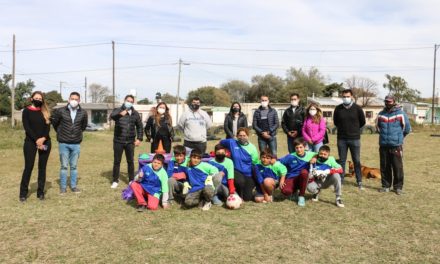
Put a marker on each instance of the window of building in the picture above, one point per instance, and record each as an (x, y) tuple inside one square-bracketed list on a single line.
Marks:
[(369, 114), (327, 113), (99, 116)]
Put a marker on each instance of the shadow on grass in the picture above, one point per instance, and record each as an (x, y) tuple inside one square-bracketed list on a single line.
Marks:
[(366, 183), (34, 187), (109, 176)]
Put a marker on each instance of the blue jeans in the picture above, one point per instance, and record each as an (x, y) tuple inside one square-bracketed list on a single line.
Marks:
[(271, 143), (355, 149), (315, 147), (69, 154)]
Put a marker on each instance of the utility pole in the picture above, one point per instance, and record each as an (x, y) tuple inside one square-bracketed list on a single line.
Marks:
[(61, 89), (113, 73), (178, 87), (433, 84), (13, 83), (85, 90)]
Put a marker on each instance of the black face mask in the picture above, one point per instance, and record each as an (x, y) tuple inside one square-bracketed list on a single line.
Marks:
[(235, 110), (320, 159), (389, 106), (220, 157), (37, 103), (195, 107)]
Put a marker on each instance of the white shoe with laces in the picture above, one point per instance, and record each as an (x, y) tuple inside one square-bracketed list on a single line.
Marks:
[(206, 206), (114, 185)]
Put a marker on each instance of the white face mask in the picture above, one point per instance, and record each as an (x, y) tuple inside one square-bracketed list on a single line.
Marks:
[(346, 101), (161, 111), (294, 103), (264, 104), (73, 103), (312, 112)]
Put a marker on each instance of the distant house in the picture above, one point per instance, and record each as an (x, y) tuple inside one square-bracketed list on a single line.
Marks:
[(417, 111)]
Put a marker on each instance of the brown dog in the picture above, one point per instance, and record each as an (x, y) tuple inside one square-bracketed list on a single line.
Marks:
[(367, 172)]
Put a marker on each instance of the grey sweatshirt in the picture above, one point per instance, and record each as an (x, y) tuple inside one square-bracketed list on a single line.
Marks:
[(195, 125)]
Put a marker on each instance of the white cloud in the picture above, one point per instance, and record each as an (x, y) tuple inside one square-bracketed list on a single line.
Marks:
[(292, 25)]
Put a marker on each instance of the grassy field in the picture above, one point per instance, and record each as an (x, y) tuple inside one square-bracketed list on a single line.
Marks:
[(96, 226)]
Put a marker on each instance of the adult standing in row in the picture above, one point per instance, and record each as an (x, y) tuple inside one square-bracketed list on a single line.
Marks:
[(265, 123), (69, 122), (234, 120), (292, 121), (393, 126), (159, 128), (349, 118), (36, 124), (127, 135), (195, 122)]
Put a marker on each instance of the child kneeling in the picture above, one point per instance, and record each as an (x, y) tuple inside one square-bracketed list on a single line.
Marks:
[(324, 174), (199, 176), (268, 176), (151, 182)]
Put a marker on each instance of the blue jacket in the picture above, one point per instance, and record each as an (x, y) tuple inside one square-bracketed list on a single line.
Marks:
[(393, 126)]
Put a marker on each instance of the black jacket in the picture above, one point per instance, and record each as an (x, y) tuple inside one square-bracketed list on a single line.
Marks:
[(127, 127), (151, 128), (293, 121), (229, 123), (272, 117), (68, 132)]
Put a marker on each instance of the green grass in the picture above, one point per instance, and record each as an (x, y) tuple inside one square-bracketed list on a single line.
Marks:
[(97, 226)]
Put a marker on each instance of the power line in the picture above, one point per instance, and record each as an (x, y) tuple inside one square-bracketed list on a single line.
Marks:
[(59, 47), (274, 50)]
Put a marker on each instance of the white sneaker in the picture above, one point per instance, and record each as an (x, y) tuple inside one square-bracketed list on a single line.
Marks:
[(206, 206), (114, 185), (339, 203)]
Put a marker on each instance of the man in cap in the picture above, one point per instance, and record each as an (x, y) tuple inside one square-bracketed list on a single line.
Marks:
[(393, 125)]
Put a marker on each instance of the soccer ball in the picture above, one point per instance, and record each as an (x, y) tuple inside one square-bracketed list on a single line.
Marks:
[(234, 201)]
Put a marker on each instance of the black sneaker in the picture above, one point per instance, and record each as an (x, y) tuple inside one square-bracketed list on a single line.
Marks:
[(22, 199), (76, 190), (40, 196), (141, 208)]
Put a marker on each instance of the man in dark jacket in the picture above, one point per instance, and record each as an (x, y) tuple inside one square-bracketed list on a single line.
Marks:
[(234, 120), (393, 126), (128, 134), (69, 122), (292, 121), (349, 118), (265, 123)]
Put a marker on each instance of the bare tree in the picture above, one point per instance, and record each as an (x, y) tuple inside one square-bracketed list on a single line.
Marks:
[(363, 89), (98, 93)]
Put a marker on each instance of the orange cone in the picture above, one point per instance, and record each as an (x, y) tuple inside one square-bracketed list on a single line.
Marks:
[(160, 149)]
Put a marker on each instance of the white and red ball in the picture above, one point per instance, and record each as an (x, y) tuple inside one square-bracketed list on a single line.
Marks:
[(234, 201)]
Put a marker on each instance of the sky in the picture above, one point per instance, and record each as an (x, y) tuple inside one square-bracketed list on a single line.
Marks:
[(218, 41)]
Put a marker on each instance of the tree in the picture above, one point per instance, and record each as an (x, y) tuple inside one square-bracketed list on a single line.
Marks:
[(304, 83), (268, 84), (210, 95), (398, 87), (98, 93), (144, 101), (109, 99), (364, 89), (169, 98), (52, 98), (333, 89), (237, 90), (23, 91)]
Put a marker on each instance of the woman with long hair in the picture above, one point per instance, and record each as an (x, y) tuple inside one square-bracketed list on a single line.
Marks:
[(159, 128), (234, 120), (36, 123), (313, 130)]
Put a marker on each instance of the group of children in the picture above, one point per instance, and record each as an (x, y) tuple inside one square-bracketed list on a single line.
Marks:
[(196, 180)]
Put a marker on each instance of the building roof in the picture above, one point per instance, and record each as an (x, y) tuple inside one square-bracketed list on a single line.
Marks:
[(92, 106), (334, 101)]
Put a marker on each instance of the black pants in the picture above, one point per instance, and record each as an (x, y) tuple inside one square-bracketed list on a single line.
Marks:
[(118, 148), (244, 186), (166, 143), (391, 164), (195, 145), (30, 151)]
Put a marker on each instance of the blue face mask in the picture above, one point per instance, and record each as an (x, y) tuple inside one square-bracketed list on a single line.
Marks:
[(346, 101), (128, 105)]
